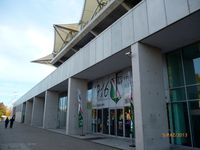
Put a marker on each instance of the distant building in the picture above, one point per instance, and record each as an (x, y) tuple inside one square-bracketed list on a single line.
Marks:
[(123, 52)]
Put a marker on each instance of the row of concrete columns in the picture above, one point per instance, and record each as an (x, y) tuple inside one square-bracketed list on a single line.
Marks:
[(42, 112), (148, 94)]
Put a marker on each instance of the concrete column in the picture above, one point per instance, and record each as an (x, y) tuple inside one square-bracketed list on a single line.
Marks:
[(50, 110), (38, 111), (75, 85), (149, 98), (28, 112)]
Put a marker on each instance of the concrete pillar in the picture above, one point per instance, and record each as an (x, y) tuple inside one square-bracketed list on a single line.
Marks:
[(75, 85), (38, 111), (149, 98), (28, 112), (50, 110)]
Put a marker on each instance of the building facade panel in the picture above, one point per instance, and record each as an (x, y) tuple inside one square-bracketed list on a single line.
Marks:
[(176, 10), (107, 43), (99, 48), (156, 15), (92, 48), (116, 34), (140, 21), (127, 30), (194, 5)]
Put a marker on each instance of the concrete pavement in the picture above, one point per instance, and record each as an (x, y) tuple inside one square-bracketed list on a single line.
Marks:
[(25, 137)]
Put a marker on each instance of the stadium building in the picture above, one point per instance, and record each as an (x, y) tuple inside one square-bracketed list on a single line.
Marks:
[(128, 68)]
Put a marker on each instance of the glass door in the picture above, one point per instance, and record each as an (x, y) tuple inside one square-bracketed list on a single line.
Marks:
[(127, 118), (120, 118), (62, 112), (112, 121), (94, 120), (105, 121), (99, 120)]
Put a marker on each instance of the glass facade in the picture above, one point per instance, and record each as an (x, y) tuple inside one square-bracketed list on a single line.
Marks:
[(62, 111), (184, 86), (111, 104)]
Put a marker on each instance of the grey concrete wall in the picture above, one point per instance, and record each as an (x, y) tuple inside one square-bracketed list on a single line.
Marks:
[(149, 98), (28, 112), (72, 110), (146, 18), (18, 113), (38, 111), (50, 110)]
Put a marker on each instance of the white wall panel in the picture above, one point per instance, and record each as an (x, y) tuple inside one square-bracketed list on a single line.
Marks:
[(194, 5), (99, 48), (116, 37), (107, 43), (156, 15), (86, 56), (92, 52), (127, 30), (176, 9), (140, 21)]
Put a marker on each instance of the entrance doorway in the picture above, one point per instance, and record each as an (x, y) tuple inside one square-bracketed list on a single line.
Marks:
[(62, 112), (112, 121), (105, 121), (99, 120)]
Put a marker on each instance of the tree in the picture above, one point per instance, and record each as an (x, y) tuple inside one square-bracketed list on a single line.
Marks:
[(2, 109)]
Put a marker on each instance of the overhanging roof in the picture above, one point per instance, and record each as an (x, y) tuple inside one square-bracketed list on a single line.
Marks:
[(63, 33), (88, 29)]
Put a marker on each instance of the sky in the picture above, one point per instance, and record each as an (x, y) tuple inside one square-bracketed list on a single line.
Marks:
[(26, 33)]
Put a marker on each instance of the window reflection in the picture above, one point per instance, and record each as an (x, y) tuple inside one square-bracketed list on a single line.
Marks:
[(191, 60), (195, 120), (175, 70)]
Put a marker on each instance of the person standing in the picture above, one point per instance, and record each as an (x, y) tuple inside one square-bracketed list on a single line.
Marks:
[(12, 121), (6, 122)]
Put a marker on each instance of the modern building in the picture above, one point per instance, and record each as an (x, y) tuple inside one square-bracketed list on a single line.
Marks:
[(140, 53)]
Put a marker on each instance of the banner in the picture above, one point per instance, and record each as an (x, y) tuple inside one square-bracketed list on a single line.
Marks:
[(80, 111)]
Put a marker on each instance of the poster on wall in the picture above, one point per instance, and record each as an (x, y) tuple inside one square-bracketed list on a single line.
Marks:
[(113, 90)]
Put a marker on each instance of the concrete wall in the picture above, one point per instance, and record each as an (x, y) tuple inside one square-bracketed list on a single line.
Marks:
[(18, 113), (74, 86), (149, 98), (38, 111), (50, 110), (28, 112), (146, 18)]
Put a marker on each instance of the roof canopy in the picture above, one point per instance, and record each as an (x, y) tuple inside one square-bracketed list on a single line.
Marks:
[(91, 7), (63, 33)]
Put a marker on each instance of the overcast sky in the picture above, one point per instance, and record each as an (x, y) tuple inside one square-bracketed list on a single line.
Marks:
[(26, 33)]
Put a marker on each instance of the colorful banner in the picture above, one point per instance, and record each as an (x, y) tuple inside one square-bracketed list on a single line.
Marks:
[(113, 90)]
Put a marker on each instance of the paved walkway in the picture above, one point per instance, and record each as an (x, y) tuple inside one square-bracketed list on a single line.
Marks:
[(24, 137)]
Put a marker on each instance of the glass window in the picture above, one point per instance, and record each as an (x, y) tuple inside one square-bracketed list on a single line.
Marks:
[(94, 120), (191, 60), (127, 117), (193, 92), (120, 119), (99, 120), (112, 121), (177, 94), (62, 112), (105, 121), (175, 70), (195, 121), (179, 124)]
